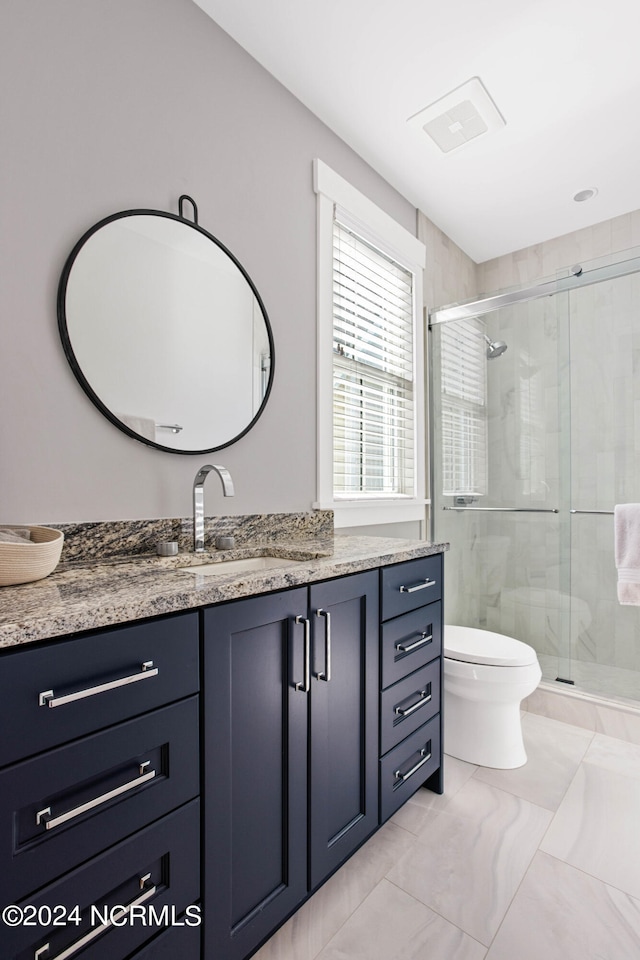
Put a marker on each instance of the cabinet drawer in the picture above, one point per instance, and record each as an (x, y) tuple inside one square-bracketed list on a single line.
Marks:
[(181, 942), (405, 768), (155, 868), (96, 790), (410, 641), (95, 681), (408, 704), (406, 586)]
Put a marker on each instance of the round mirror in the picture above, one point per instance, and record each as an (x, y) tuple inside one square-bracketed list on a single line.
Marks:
[(165, 331)]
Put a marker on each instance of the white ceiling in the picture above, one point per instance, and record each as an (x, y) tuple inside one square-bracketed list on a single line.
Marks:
[(565, 74)]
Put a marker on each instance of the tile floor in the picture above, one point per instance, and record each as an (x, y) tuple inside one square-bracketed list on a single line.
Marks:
[(543, 861)]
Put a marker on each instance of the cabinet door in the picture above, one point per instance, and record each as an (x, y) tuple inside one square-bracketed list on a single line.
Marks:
[(255, 770), (344, 719)]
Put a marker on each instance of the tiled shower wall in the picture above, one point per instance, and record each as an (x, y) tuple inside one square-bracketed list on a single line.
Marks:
[(544, 259), (450, 275)]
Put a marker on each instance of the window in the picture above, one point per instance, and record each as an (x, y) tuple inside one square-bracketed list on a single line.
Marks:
[(370, 370), (463, 382), (373, 409)]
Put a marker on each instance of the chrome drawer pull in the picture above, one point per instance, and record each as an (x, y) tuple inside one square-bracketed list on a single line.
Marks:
[(114, 916), (47, 699), (418, 586), (425, 697), (305, 685), (44, 816), (426, 756), (327, 647), (410, 647)]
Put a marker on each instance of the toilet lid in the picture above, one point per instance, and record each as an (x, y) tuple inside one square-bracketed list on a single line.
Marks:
[(483, 646)]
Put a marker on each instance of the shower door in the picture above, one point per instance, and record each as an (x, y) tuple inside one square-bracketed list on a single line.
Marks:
[(605, 470), (532, 446), (500, 473)]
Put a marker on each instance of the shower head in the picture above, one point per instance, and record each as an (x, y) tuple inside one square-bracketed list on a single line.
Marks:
[(495, 348)]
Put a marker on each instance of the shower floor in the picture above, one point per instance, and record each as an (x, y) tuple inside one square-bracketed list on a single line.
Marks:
[(598, 679)]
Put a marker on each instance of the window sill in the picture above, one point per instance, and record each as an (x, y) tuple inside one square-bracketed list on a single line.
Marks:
[(354, 513)]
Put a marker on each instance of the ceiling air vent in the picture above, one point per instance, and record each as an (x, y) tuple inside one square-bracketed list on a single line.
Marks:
[(460, 116)]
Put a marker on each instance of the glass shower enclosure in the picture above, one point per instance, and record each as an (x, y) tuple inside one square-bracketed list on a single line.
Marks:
[(535, 436)]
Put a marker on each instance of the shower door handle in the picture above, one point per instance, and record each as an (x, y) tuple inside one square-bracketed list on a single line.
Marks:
[(504, 509)]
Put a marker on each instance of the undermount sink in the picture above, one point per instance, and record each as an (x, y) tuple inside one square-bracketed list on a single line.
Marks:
[(243, 565)]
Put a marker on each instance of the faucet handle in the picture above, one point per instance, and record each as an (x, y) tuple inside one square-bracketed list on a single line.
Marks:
[(225, 543)]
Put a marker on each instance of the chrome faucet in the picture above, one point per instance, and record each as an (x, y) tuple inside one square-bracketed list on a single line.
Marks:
[(198, 500)]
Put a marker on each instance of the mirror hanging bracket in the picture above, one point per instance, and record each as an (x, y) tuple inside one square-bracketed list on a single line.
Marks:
[(181, 200)]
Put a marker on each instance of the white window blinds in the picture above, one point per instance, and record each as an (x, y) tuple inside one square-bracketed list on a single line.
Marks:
[(373, 371), (463, 368)]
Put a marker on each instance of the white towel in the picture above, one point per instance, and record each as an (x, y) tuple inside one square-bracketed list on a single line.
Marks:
[(142, 425), (15, 535), (626, 522)]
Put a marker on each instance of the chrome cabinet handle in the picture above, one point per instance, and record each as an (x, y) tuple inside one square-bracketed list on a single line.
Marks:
[(418, 586), (114, 917), (305, 685), (410, 647), (326, 676), (45, 817), (425, 753), (47, 699), (425, 697)]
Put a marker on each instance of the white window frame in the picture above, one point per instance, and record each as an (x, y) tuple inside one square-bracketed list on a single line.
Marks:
[(378, 228)]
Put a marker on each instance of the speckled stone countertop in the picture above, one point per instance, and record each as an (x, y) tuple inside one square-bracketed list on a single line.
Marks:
[(85, 595)]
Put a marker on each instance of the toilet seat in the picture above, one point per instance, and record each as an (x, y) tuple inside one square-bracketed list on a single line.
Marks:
[(471, 645)]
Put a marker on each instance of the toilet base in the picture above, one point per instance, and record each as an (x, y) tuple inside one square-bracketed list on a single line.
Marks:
[(486, 734)]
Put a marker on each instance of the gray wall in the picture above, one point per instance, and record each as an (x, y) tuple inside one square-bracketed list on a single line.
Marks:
[(113, 104)]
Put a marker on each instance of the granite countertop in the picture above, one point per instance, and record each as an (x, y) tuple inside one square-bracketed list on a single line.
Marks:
[(82, 596)]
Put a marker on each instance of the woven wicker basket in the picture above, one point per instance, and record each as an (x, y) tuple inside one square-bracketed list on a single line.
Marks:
[(31, 560)]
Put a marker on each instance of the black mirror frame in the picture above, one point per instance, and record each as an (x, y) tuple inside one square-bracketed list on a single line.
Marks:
[(73, 361)]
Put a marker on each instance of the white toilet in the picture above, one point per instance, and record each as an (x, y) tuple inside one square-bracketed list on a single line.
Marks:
[(486, 677)]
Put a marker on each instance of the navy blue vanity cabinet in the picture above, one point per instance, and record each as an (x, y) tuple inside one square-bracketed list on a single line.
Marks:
[(181, 941), (344, 720), (411, 681), (99, 787), (255, 770), (65, 688), (290, 751), (156, 867)]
